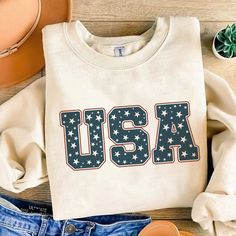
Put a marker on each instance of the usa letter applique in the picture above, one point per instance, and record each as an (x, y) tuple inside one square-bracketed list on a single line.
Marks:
[(135, 135), (174, 139), (174, 136), (94, 119)]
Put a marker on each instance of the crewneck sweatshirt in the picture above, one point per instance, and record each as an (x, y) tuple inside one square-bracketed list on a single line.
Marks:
[(123, 123)]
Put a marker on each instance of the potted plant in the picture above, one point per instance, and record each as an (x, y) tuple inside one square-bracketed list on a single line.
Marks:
[(224, 43)]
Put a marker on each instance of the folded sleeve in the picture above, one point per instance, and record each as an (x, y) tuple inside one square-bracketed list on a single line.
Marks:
[(22, 152), (215, 208)]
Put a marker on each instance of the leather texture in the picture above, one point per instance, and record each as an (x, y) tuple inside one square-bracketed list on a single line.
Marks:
[(15, 21)]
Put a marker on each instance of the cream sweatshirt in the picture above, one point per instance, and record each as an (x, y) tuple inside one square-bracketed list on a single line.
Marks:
[(123, 123)]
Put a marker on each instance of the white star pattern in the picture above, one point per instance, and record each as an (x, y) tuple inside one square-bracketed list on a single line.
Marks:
[(140, 148), (183, 139), (166, 127), (89, 117), (119, 134), (95, 153), (113, 117), (117, 154), (127, 113), (70, 133), (173, 124), (164, 113), (179, 114), (170, 140), (76, 161), (115, 132), (98, 118), (184, 154), (72, 121), (161, 148)]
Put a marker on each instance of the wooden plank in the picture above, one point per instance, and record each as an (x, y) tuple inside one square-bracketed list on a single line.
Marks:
[(40, 193), (170, 213), (143, 10)]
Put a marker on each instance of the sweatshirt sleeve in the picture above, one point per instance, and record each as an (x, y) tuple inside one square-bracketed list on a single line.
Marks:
[(22, 152), (215, 208)]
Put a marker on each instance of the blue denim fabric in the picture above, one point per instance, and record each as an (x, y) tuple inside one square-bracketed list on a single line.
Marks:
[(35, 218)]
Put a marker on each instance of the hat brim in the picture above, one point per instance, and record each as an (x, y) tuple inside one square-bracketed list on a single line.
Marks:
[(29, 58)]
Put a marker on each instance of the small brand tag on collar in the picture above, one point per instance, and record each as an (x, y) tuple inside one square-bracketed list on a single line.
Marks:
[(119, 51)]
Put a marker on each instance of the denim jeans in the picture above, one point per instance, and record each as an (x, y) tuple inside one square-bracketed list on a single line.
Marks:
[(20, 217)]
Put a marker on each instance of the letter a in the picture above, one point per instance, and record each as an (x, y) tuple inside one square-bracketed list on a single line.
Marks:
[(174, 134)]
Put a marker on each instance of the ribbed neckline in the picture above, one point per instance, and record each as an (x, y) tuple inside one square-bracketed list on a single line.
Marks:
[(79, 38)]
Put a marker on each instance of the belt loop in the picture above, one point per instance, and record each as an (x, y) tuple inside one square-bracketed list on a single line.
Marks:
[(44, 225), (90, 226)]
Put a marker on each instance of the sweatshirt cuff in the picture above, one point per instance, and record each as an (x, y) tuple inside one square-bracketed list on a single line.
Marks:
[(216, 213)]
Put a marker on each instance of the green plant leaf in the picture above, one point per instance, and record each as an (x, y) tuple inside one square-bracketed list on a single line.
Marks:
[(221, 37), (226, 49), (231, 53), (225, 42), (233, 28), (227, 54), (233, 38), (227, 31), (228, 42), (234, 47), (219, 47)]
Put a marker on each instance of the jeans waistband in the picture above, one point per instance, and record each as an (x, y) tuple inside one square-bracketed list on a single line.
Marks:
[(36, 217)]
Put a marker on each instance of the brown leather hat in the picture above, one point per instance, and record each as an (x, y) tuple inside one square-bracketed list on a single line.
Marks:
[(21, 22)]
